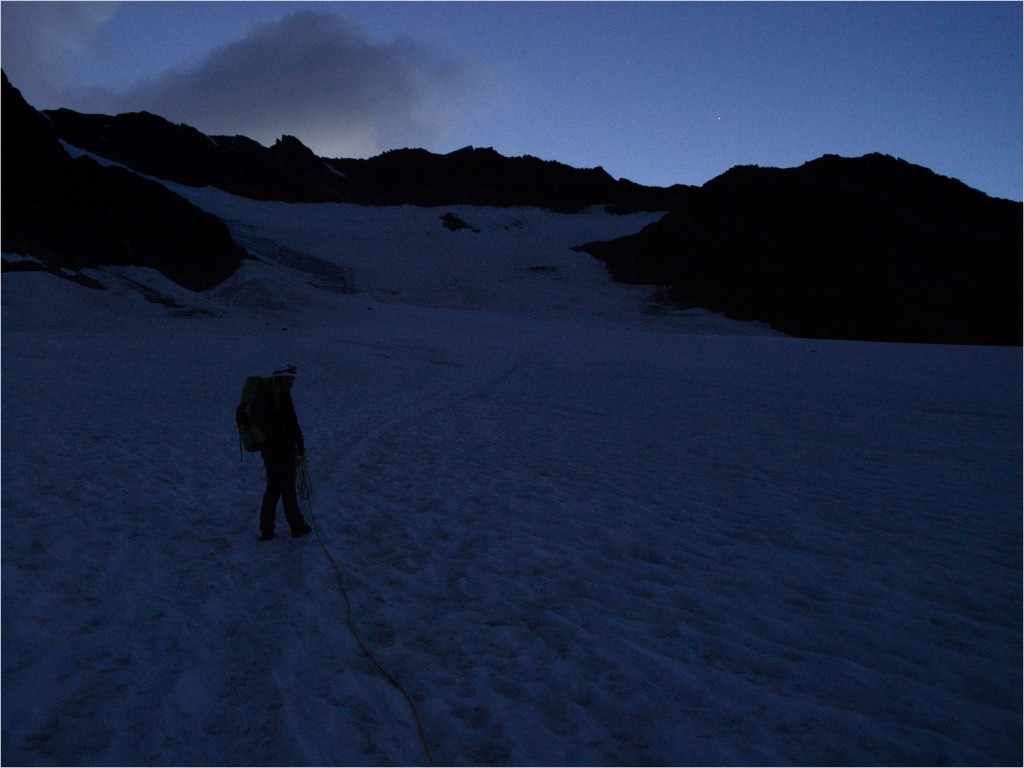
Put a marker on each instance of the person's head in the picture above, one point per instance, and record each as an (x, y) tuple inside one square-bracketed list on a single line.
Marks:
[(285, 377)]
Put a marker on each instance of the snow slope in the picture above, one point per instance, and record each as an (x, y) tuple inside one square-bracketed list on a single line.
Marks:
[(576, 527)]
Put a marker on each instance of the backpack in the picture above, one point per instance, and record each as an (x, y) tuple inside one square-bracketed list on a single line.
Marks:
[(250, 434)]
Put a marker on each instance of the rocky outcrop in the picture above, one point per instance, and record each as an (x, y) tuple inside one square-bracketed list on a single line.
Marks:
[(865, 248), (73, 213)]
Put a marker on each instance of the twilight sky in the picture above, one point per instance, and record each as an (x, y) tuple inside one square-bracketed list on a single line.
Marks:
[(660, 93)]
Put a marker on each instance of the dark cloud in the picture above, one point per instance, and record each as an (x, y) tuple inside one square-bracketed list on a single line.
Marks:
[(43, 44), (311, 75)]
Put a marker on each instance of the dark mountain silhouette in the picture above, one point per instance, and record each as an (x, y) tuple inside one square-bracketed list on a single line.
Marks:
[(153, 146), (73, 213), (869, 248), (289, 171), (482, 176)]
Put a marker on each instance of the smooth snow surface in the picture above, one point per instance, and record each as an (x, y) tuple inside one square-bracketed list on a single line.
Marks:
[(576, 527)]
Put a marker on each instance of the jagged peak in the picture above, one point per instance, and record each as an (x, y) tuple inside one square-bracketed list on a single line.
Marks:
[(293, 147)]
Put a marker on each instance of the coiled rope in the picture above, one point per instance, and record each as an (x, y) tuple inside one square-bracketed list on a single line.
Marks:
[(304, 489)]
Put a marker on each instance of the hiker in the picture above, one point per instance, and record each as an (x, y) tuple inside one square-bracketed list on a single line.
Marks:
[(274, 412)]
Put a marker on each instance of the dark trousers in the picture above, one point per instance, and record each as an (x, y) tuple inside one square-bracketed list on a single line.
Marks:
[(280, 486)]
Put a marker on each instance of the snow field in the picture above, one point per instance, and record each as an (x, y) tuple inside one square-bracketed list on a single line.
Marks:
[(575, 533)]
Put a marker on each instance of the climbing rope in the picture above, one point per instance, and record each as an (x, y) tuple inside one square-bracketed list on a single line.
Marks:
[(305, 491), (302, 485)]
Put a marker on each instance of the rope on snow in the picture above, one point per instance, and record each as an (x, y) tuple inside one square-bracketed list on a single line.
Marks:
[(305, 491)]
